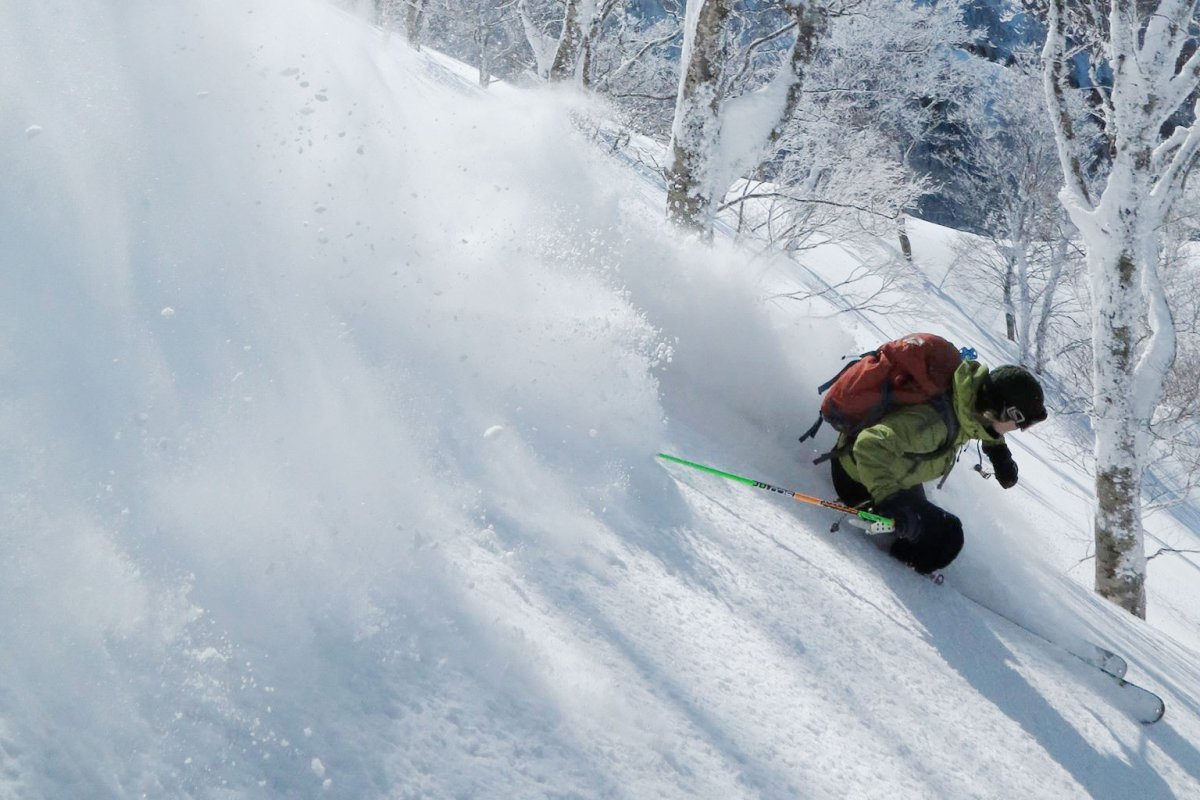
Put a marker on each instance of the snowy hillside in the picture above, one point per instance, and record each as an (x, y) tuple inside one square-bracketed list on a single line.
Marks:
[(330, 388)]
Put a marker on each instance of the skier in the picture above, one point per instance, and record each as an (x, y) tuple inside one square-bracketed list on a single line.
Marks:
[(886, 465)]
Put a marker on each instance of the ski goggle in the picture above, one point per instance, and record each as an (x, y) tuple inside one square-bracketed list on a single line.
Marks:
[(1014, 414)]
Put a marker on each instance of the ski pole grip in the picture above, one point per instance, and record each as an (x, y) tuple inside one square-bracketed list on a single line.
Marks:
[(871, 517)]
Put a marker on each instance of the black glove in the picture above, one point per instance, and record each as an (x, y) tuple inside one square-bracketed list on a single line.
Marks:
[(1003, 465)]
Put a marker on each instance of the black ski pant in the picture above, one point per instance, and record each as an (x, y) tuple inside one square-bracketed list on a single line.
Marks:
[(928, 538)]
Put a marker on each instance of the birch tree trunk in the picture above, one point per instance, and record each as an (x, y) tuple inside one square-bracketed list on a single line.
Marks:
[(697, 125), (413, 15), (1154, 73), (1006, 297), (1120, 557), (1057, 266), (1023, 316), (905, 242), (570, 44), (702, 166)]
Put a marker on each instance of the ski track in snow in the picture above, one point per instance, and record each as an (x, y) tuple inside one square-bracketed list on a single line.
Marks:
[(331, 392)]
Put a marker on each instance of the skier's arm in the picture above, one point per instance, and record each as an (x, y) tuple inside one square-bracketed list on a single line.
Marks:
[(1002, 463)]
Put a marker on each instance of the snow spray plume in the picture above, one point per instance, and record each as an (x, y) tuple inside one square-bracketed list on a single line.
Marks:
[(803, 498)]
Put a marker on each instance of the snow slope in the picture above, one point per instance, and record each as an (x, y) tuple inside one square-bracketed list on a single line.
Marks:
[(330, 388)]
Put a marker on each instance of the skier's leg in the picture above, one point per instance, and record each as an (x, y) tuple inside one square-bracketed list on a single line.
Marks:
[(933, 543), (849, 491)]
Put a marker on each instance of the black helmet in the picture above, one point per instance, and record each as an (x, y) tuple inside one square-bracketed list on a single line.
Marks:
[(1013, 394)]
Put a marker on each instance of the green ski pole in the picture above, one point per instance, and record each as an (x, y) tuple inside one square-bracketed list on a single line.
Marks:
[(803, 498)]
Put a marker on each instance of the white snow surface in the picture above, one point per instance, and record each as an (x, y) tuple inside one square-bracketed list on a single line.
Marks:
[(330, 388)]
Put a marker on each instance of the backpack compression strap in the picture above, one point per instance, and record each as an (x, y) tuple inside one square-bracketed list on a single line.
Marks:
[(822, 389)]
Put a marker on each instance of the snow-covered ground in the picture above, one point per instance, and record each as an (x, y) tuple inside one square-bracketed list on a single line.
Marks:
[(330, 388)]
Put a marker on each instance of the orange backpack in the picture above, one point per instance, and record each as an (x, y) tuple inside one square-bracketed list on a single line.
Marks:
[(914, 369)]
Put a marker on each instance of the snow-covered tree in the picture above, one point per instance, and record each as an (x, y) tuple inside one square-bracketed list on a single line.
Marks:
[(882, 84), (578, 17), (404, 15), (1146, 72), (562, 33), (820, 95), (633, 61), (705, 155), (414, 13), (1009, 179), (542, 26), (483, 33)]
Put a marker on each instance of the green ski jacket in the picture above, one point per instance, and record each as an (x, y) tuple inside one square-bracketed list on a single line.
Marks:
[(908, 446)]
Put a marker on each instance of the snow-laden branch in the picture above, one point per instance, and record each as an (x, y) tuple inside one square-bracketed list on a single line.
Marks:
[(1181, 85), (1158, 354), (1123, 34), (1175, 171), (1170, 25), (793, 198), (1165, 152), (748, 56), (1054, 57), (611, 78)]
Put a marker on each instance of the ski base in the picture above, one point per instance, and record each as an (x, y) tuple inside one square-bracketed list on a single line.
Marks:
[(1107, 662), (1140, 703)]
